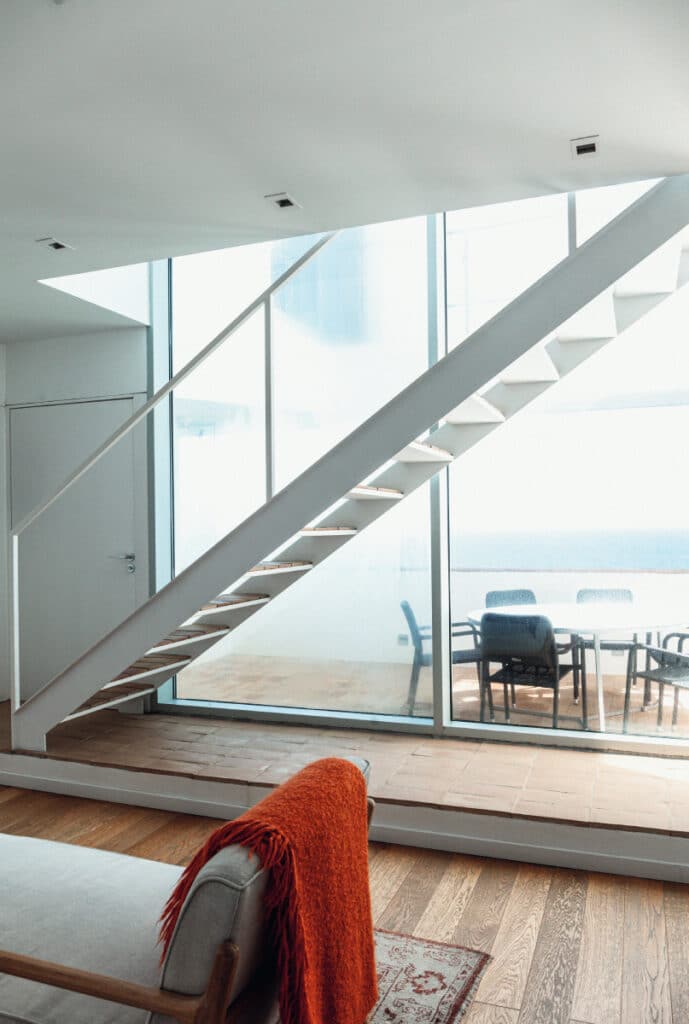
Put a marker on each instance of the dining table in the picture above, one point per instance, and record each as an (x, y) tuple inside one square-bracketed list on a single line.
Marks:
[(596, 620)]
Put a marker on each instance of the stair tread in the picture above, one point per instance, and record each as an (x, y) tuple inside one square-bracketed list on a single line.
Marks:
[(326, 531), (276, 566), (473, 411), (188, 633), (234, 601), (428, 452), (150, 663), (367, 490), (583, 340), (121, 692)]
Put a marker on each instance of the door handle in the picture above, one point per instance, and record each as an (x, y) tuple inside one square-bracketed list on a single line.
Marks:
[(130, 559)]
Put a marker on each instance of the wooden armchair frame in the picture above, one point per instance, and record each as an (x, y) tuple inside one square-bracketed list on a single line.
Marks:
[(211, 1007)]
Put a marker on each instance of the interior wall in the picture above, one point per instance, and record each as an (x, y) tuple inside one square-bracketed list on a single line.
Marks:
[(4, 509), (105, 364)]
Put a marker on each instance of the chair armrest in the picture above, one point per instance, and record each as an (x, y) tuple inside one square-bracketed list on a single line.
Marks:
[(681, 637), (663, 655), (465, 628), (208, 1008)]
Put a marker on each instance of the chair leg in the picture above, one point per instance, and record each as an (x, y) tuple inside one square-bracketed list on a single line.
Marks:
[(413, 684), (631, 681), (675, 707), (584, 706), (491, 706), (505, 700), (556, 703), (575, 668), (647, 682), (485, 690), (659, 721), (514, 695)]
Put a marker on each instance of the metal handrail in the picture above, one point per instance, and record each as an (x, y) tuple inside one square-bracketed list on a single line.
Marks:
[(170, 385)]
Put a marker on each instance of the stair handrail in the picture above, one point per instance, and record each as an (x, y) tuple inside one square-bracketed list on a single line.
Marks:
[(170, 385), (550, 301)]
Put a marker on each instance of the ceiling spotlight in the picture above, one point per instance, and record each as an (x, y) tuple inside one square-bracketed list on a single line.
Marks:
[(588, 145), (53, 243), (282, 200)]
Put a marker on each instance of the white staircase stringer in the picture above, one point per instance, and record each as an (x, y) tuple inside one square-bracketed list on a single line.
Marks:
[(533, 316)]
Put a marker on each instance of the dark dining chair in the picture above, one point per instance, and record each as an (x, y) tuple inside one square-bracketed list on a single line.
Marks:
[(500, 598), (525, 648), (420, 635), (666, 665)]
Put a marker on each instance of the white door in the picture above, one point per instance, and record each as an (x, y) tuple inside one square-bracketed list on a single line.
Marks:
[(74, 583)]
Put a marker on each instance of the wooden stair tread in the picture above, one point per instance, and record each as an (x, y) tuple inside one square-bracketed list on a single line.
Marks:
[(234, 601), (112, 694), (369, 491), (327, 531), (278, 567), (150, 663), (188, 633), (423, 451)]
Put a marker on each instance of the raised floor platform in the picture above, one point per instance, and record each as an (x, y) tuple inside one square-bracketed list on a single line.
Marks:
[(605, 811)]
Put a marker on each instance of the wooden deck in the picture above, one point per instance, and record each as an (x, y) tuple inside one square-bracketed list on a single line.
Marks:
[(382, 688), (575, 787), (569, 947)]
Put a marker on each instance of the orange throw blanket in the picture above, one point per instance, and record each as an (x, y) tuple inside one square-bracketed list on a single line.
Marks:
[(312, 834)]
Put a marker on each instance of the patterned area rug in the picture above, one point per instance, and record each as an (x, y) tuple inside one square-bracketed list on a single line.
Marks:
[(423, 982)]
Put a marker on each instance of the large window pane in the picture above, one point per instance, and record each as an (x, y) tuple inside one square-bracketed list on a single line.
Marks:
[(336, 640), (584, 489), (219, 443), (495, 252), (596, 207), (349, 331)]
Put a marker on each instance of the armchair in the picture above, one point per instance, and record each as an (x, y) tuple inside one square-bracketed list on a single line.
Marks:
[(80, 930)]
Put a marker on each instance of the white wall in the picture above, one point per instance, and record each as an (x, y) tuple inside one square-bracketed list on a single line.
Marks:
[(87, 366), (4, 509), (101, 365)]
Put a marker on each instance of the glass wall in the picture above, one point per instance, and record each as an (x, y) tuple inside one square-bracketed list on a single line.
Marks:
[(349, 331), (495, 252), (582, 489)]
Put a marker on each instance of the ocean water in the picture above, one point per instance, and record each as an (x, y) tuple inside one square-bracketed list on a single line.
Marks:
[(644, 550)]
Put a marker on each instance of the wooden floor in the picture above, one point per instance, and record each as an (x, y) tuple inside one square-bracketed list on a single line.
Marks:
[(589, 788), (568, 947)]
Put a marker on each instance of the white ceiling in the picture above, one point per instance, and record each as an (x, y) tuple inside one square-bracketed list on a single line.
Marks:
[(136, 130)]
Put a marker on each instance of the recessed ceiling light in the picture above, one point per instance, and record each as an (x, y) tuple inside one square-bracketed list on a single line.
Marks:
[(282, 200), (587, 145), (53, 243)]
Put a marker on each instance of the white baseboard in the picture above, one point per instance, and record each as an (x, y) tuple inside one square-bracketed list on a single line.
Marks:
[(611, 850)]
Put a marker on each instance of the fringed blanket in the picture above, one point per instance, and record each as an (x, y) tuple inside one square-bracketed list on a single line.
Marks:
[(312, 834)]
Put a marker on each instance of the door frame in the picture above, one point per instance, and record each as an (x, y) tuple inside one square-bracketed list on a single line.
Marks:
[(139, 482)]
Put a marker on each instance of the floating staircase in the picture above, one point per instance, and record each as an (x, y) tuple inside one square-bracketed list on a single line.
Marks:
[(564, 319)]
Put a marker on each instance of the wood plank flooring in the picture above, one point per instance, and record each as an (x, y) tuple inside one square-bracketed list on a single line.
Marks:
[(568, 947)]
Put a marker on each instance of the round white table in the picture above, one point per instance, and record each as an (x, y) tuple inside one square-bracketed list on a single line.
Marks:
[(595, 619)]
